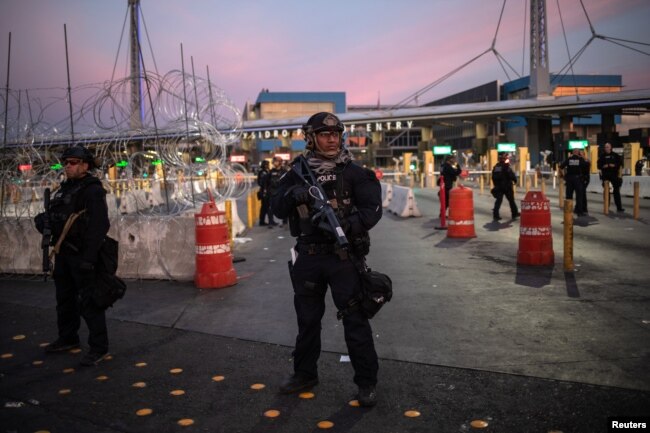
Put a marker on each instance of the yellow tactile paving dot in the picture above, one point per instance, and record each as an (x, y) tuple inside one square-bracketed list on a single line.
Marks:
[(42, 431), (141, 364), (306, 395), (176, 370), (258, 386), (18, 337), (272, 413), (325, 424), (354, 403), (185, 422), (218, 378), (101, 378), (7, 355), (139, 385), (478, 423), (108, 357), (143, 412), (75, 351), (64, 391), (412, 413), (43, 344), (68, 370), (177, 392), (37, 362)]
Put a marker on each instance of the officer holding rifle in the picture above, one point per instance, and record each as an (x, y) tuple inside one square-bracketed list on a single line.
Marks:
[(331, 204)]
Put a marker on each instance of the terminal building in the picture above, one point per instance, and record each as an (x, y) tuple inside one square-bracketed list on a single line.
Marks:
[(382, 144)]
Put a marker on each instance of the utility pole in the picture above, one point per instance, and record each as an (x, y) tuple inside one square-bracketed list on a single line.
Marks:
[(136, 69), (540, 84)]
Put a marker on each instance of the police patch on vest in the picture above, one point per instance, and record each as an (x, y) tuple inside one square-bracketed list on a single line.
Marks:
[(324, 178)]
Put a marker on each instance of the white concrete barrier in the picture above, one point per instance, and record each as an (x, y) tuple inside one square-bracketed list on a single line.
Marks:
[(627, 188), (403, 202), (386, 194), (238, 226)]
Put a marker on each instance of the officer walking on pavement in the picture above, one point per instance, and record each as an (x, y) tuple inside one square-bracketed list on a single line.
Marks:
[(355, 194), (574, 167), (609, 164), (504, 178), (80, 204)]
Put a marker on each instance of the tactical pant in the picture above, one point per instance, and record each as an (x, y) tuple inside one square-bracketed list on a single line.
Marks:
[(265, 209), (575, 183), (73, 301), (510, 196), (615, 181), (311, 274)]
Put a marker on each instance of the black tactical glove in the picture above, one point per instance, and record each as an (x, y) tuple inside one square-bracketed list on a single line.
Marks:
[(39, 222), (301, 195)]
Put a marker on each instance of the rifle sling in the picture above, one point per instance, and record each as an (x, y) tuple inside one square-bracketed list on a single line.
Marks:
[(66, 228)]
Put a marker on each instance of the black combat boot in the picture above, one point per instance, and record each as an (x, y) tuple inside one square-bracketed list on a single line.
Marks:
[(61, 346), (367, 396), (297, 382)]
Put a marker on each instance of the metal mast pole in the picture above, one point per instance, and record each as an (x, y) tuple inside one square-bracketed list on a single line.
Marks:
[(540, 84), (136, 70)]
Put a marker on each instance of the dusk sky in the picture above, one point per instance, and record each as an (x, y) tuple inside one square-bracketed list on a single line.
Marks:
[(362, 47)]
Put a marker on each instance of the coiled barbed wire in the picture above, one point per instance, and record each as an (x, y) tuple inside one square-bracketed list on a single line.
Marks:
[(158, 161)]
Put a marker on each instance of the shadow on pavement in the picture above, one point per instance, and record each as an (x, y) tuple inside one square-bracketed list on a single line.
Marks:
[(534, 276), (452, 242), (571, 285), (494, 226)]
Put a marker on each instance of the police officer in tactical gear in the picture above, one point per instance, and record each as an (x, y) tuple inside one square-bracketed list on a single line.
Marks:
[(264, 194), (355, 194), (275, 174), (449, 170), (609, 164), (504, 178), (575, 167), (81, 194)]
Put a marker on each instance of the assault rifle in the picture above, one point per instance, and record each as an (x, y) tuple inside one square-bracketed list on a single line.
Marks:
[(47, 234), (325, 217)]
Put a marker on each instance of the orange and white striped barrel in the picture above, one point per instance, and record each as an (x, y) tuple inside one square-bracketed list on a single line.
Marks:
[(535, 232), (461, 213), (213, 256)]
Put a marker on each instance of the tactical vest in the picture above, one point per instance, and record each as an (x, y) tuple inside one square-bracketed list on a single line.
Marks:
[(339, 193), (65, 202)]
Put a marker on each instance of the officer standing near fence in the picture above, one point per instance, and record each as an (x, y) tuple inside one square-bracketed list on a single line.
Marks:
[(609, 164), (80, 205), (275, 174), (264, 194), (574, 167), (449, 171), (355, 194), (504, 178)]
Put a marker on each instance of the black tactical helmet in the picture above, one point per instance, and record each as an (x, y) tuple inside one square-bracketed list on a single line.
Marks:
[(322, 121), (81, 153)]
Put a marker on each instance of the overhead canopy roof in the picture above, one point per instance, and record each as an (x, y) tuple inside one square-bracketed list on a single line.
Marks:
[(423, 116)]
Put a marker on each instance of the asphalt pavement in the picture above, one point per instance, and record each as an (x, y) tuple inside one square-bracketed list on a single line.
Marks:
[(470, 339)]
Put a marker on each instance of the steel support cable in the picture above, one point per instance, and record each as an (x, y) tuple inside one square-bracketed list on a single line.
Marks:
[(119, 46), (627, 40), (572, 60), (430, 86), (523, 48), (496, 32), (605, 38), (568, 52), (153, 58)]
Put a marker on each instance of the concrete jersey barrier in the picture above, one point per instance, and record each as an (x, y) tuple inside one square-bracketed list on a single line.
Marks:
[(403, 202), (627, 188), (386, 194)]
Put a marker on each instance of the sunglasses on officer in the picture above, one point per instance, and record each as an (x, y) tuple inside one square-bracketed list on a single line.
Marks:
[(328, 134), (72, 162)]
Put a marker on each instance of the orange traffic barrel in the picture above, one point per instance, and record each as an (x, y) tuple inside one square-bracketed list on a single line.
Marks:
[(535, 233), (461, 213), (213, 256)]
